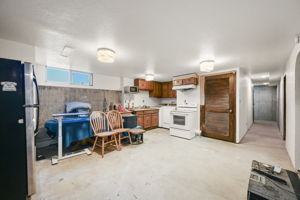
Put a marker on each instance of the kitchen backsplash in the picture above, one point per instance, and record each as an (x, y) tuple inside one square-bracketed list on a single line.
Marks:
[(142, 98), (53, 99)]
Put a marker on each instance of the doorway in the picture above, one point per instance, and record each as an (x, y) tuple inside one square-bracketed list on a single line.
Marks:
[(218, 111), (265, 103)]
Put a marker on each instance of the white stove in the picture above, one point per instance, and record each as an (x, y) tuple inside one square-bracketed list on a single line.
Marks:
[(183, 121)]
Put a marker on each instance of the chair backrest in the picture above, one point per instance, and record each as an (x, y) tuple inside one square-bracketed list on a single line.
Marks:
[(115, 119), (99, 122)]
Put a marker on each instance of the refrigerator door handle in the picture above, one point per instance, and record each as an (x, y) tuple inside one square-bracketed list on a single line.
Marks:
[(37, 105), (31, 106)]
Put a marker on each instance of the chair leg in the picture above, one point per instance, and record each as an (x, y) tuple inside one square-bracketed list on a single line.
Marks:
[(117, 145), (120, 144), (102, 152), (129, 136), (95, 143)]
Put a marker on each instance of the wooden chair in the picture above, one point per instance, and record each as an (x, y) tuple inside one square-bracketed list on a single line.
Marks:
[(99, 123), (116, 124)]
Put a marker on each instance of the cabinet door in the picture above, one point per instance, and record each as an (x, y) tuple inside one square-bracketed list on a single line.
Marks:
[(172, 93), (177, 82), (188, 81), (147, 121), (149, 85), (165, 90), (157, 90), (154, 120), (140, 121), (141, 83)]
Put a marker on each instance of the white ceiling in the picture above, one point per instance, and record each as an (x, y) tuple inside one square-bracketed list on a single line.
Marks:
[(164, 37)]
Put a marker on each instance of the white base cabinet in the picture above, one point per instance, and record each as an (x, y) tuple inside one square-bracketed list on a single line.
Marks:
[(165, 116)]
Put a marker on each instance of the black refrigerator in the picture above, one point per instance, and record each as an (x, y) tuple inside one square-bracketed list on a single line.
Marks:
[(19, 123)]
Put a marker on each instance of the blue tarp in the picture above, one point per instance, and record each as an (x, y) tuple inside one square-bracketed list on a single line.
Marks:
[(73, 129)]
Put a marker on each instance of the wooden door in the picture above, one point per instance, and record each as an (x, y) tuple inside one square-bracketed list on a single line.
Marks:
[(218, 112)]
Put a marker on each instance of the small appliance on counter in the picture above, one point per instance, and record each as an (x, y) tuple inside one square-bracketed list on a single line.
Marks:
[(183, 121), (131, 89)]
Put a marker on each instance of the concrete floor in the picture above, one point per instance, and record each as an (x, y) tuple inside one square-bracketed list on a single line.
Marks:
[(164, 167)]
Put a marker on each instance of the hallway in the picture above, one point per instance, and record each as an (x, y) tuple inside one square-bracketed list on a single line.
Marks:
[(264, 137)]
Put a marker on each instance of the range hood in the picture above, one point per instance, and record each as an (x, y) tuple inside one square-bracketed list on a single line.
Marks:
[(185, 81), (184, 87)]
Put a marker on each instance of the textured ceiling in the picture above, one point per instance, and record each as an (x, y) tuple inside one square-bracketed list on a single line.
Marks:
[(163, 37)]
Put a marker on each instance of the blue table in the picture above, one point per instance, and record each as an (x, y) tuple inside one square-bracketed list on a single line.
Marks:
[(73, 129), (70, 124)]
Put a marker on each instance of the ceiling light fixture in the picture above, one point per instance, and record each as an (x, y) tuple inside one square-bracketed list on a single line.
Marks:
[(149, 77), (106, 55), (207, 65)]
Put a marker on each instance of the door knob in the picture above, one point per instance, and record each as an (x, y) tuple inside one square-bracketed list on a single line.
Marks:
[(230, 111)]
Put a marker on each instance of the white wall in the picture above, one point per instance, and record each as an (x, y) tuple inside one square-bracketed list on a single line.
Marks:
[(42, 57), (16, 51), (245, 104), (281, 106), (293, 107)]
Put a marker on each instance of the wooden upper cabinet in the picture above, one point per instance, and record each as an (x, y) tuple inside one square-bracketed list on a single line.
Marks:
[(177, 82), (167, 91), (188, 81), (156, 89), (142, 84), (172, 93)]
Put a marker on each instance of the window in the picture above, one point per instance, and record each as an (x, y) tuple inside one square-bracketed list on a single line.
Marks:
[(81, 78), (69, 76), (58, 75)]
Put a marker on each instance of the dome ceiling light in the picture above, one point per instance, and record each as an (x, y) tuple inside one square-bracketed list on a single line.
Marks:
[(106, 55), (207, 65), (149, 77)]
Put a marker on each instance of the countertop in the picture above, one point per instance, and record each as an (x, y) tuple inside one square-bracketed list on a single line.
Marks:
[(143, 109), (153, 107)]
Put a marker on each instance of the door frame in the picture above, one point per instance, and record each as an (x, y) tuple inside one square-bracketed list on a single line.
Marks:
[(284, 107), (232, 103)]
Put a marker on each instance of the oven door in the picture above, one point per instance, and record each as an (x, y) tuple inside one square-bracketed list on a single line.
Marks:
[(180, 121)]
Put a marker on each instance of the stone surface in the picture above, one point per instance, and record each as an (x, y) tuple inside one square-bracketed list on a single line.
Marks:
[(164, 167), (53, 99)]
